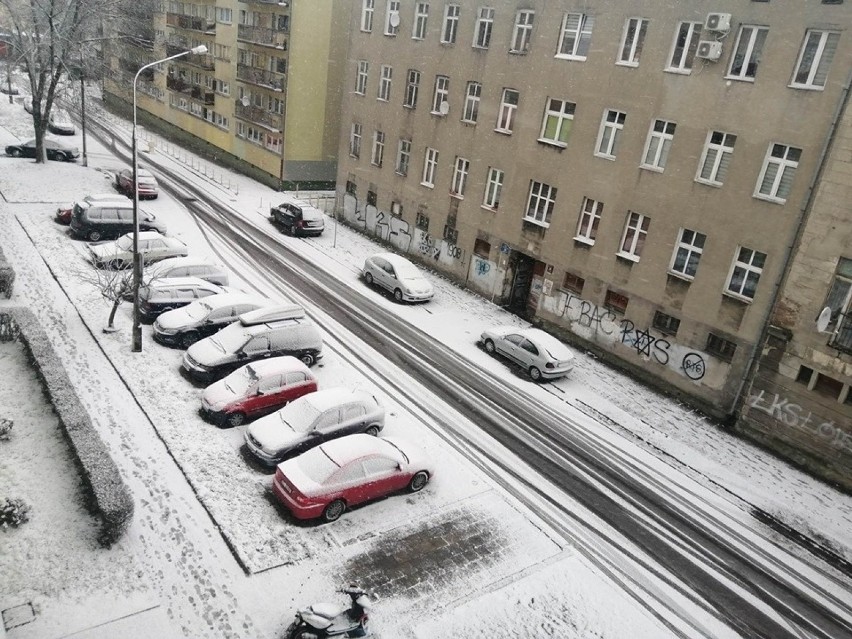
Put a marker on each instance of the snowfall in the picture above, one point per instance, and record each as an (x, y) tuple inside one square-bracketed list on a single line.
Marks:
[(209, 554)]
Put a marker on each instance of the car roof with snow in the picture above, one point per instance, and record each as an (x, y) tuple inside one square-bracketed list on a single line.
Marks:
[(181, 282), (331, 397), (546, 340), (284, 364), (344, 450), (230, 298), (396, 260), (185, 260)]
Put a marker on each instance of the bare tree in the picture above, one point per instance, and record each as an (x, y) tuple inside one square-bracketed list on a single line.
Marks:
[(114, 285)]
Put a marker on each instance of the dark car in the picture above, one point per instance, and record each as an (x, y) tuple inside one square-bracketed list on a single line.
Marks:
[(55, 150), (297, 220), (148, 186), (161, 296)]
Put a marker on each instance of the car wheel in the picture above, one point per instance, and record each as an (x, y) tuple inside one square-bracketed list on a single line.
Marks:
[(368, 277), (67, 157), (15, 153), (373, 430), (94, 236), (188, 339), (307, 359), (489, 346), (232, 420), (535, 374), (334, 510), (397, 295), (418, 481)]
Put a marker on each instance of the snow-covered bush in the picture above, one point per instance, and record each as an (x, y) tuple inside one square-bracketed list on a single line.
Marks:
[(13, 512), (9, 330), (7, 280), (5, 428)]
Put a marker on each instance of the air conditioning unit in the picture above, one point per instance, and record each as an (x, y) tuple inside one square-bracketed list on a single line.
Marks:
[(718, 22), (709, 50)]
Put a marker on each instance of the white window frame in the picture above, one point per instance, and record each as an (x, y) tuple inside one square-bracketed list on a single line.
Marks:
[(362, 77), (717, 155), (392, 8), (750, 55), (441, 94), (385, 83), (355, 137), (816, 64), (403, 156), (658, 145), (473, 95), (632, 41), (635, 234), (606, 145), (779, 166), (591, 212), (540, 203), (682, 55), (421, 17), (378, 155), (430, 168), (522, 32), (581, 34), (493, 188), (744, 261), (450, 25), (412, 88), (506, 114), (690, 244), (461, 169), (562, 112), (368, 8), (484, 27)]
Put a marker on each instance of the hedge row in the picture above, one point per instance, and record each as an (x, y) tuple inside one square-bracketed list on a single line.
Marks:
[(108, 496), (7, 277)]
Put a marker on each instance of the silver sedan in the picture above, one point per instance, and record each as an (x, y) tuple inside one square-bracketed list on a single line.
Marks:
[(540, 354)]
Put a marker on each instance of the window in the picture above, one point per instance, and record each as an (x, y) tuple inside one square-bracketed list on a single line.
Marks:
[(720, 347), (590, 218), (224, 15), (688, 251), (508, 106), (355, 140), (493, 187), (776, 178), (372, 198), (460, 171), (575, 36), (616, 302), (540, 203), (632, 40), (684, 47), (392, 18), (573, 283), (611, 127), (558, 118), (658, 145), (665, 323), (745, 272), (361, 78), (421, 221), (440, 103), (839, 300), (482, 32), (385, 83), (522, 33), (378, 148), (747, 52), (713, 168), (471, 102), (351, 187), (403, 156), (421, 15), (815, 59), (481, 248), (804, 375), (412, 84), (367, 8), (430, 168), (450, 29), (396, 208), (633, 240)]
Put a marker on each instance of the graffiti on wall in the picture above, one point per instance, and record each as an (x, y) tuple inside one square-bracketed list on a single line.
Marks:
[(790, 414)]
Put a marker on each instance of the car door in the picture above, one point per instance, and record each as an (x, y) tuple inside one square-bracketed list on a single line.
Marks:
[(382, 476), (379, 272), (509, 345), (327, 425), (349, 483), (109, 222), (216, 319), (352, 419), (528, 354), (296, 384), (156, 250), (256, 348), (391, 280), (267, 396)]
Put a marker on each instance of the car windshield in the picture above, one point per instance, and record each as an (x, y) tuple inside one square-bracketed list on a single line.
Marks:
[(198, 310), (299, 416), (240, 380), (317, 465), (229, 341), (408, 272), (147, 180), (125, 242)]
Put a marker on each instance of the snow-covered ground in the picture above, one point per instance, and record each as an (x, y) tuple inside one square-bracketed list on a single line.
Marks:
[(198, 501)]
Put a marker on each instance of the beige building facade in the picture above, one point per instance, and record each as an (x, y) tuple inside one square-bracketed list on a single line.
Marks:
[(629, 175)]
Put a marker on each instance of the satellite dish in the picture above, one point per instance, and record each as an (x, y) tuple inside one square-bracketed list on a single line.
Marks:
[(393, 19), (444, 108), (823, 319), (245, 101)]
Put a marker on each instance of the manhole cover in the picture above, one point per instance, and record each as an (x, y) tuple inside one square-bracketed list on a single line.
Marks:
[(18, 616)]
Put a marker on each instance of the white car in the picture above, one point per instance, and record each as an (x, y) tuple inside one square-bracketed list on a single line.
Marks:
[(152, 246), (60, 123), (188, 266), (185, 326), (399, 276), (540, 354)]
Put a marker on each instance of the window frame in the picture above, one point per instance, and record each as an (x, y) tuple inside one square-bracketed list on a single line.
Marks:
[(368, 8), (391, 7), (632, 49), (483, 27), (418, 29), (663, 140), (493, 188), (636, 227), (692, 247), (782, 164), (721, 150), (377, 154), (355, 139), (544, 195), (442, 90), (430, 167), (562, 117), (522, 32), (749, 269), (470, 113), (816, 62), (507, 111), (749, 53), (450, 23), (412, 88), (616, 127), (585, 27), (403, 150), (591, 212), (461, 171), (362, 77), (385, 80), (690, 46)]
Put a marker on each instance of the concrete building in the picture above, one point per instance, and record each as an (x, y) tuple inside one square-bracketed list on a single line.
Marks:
[(265, 98), (629, 175)]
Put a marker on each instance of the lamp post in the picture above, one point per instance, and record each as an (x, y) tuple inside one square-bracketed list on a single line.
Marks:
[(137, 258)]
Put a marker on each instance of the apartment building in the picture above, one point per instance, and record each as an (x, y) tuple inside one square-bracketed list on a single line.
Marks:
[(266, 94), (630, 175)]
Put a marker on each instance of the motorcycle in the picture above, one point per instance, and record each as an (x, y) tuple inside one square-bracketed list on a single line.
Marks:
[(322, 620)]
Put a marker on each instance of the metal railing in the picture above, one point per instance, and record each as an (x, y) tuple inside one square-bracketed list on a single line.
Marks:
[(842, 338), (258, 115), (260, 77), (192, 23), (262, 35)]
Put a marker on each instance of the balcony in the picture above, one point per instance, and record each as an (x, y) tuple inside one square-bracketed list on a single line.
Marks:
[(263, 35), (197, 93), (260, 77), (207, 97), (266, 2), (259, 116), (842, 338), (178, 85), (190, 23)]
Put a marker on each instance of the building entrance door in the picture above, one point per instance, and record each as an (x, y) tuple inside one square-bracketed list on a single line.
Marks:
[(522, 267)]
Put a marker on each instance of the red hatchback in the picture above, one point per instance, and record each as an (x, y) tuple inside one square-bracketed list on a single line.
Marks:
[(348, 471), (148, 187), (256, 389)]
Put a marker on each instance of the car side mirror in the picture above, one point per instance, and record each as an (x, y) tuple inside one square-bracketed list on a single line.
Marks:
[(241, 355), (259, 392)]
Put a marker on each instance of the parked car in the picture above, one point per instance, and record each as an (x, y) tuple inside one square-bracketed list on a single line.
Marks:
[(325, 481), (149, 188), (298, 219), (8, 88), (312, 420), (60, 123), (54, 150), (28, 104), (189, 266), (256, 389), (63, 215), (266, 332), (108, 219), (166, 295), (540, 354), (399, 276), (202, 318), (119, 253)]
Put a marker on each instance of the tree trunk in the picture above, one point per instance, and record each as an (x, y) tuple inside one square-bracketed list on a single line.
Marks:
[(115, 306)]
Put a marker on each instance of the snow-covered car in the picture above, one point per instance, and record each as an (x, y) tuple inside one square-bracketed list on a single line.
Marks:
[(540, 354), (60, 123), (399, 276), (312, 420), (256, 389), (202, 318), (189, 266), (54, 150), (298, 219), (28, 104), (325, 481), (63, 215), (161, 296), (119, 253), (149, 188)]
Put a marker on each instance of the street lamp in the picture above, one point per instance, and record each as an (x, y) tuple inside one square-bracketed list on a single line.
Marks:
[(137, 258)]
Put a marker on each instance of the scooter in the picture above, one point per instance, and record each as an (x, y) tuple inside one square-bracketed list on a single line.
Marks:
[(323, 620)]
